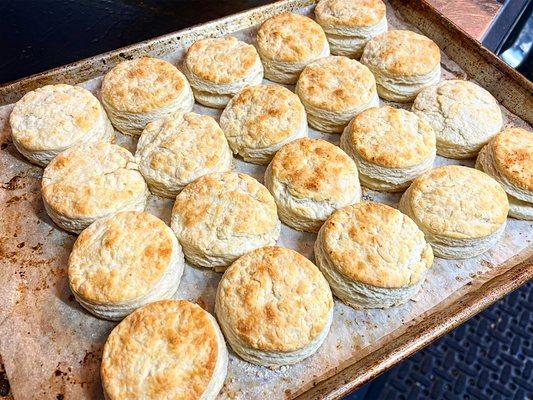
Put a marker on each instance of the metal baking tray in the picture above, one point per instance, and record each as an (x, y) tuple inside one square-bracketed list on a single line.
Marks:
[(51, 348)]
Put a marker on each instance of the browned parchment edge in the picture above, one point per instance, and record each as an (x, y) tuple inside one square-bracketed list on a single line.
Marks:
[(513, 91), (420, 332)]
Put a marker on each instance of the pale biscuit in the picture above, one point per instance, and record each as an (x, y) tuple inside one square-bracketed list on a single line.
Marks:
[(372, 255), (287, 43), (48, 120), (309, 179), (463, 115), (261, 119), (334, 90), (169, 349), (143, 90), (350, 24), (91, 181), (274, 307), (462, 211), (403, 63), (123, 262), (218, 68), (508, 158), (174, 151), (220, 217), (390, 147)]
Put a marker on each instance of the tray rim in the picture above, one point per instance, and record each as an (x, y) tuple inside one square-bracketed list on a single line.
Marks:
[(437, 321)]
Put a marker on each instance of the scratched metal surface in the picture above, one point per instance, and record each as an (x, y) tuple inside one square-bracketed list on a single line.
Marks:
[(51, 347)]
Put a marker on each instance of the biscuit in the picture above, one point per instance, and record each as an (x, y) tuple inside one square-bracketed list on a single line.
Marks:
[(139, 91), (218, 68), (274, 307), (461, 210), (169, 349), (124, 261), (403, 63), (309, 179), (335, 89), (390, 147), (174, 151), (219, 217), (508, 158), (261, 119), (372, 255), (48, 120), (91, 181), (463, 115), (350, 24), (287, 43)]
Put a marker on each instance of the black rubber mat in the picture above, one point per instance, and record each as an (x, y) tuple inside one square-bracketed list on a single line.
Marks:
[(488, 357)]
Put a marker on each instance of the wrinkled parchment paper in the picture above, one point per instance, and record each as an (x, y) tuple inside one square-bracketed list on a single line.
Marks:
[(51, 347)]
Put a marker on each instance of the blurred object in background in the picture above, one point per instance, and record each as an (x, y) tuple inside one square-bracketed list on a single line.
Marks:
[(510, 35)]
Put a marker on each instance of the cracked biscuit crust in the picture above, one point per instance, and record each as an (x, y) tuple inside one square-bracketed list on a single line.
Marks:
[(142, 85), (174, 151), (391, 137), (274, 299), (92, 181), (291, 37), (219, 217), (167, 349), (336, 84), (54, 116), (401, 53), (457, 202), (262, 116), (317, 170), (463, 115), (221, 60), (376, 245), (121, 258), (349, 13), (513, 155)]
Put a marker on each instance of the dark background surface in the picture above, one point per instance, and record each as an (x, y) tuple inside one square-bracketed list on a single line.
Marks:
[(490, 357), (36, 35)]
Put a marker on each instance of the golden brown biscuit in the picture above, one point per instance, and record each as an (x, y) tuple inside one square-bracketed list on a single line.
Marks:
[(91, 181), (390, 146), (123, 262), (309, 179), (274, 306), (372, 255), (220, 217), (461, 210), (287, 43), (508, 158), (260, 119), (218, 68), (174, 151), (403, 63), (334, 90), (169, 349), (349, 24), (53, 118), (136, 92)]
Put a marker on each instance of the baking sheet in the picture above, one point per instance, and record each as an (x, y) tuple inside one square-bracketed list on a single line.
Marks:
[(51, 347)]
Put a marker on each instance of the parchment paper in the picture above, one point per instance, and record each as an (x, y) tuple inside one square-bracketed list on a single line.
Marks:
[(51, 347)]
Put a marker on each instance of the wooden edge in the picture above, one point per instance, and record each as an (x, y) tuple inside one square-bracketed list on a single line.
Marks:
[(92, 67), (422, 331), (512, 89)]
